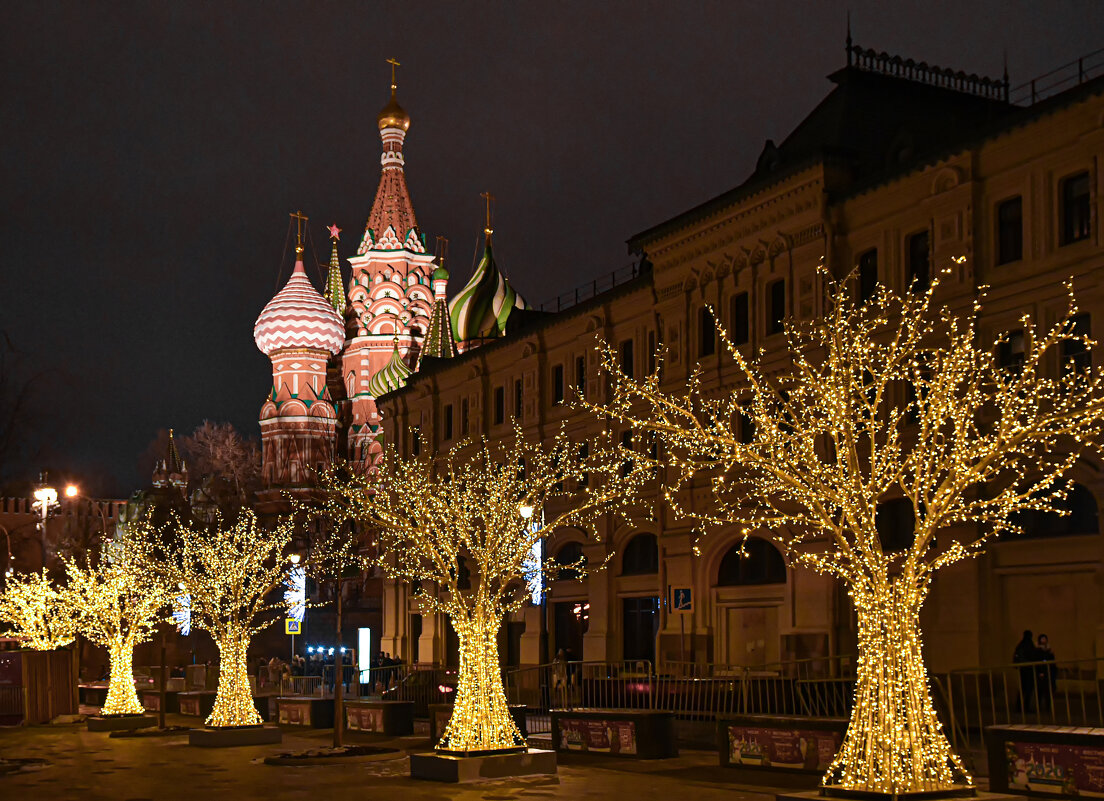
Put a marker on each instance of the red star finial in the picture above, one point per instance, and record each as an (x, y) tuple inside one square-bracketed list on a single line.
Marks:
[(335, 232)]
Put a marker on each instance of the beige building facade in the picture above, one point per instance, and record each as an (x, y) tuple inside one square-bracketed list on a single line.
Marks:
[(898, 173)]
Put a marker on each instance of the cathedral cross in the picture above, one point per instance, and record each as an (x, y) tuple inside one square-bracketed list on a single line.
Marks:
[(393, 64)]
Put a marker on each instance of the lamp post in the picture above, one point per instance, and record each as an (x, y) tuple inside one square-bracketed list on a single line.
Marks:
[(73, 491), (46, 499)]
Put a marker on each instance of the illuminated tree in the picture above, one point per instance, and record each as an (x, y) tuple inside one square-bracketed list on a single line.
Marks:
[(37, 611), (894, 398), (235, 576), (468, 520), (118, 604)]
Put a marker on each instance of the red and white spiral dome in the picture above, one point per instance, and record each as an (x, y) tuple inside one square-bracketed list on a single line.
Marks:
[(298, 317)]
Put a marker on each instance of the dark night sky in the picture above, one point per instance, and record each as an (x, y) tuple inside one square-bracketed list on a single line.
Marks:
[(151, 154)]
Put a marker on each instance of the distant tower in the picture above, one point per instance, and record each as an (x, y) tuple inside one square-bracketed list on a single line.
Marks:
[(391, 292), (171, 471), (299, 331)]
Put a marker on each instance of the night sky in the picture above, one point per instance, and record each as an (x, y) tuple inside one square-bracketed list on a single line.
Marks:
[(152, 152)]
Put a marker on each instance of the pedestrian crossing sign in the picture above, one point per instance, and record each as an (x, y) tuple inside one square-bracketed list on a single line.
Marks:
[(293, 626)]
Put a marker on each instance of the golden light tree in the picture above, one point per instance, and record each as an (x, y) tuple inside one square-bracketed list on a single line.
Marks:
[(235, 576), (118, 603), (468, 519), (894, 398), (37, 611)]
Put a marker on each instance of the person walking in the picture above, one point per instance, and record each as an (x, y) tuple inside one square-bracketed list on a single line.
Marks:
[(1025, 654), (559, 679), (1046, 674)]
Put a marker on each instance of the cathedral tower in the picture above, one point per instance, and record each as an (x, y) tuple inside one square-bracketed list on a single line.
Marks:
[(391, 293), (298, 330)]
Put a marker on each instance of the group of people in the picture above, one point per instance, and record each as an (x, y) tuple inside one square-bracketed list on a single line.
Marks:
[(1038, 674)]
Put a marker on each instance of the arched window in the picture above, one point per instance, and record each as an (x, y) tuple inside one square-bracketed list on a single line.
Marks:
[(569, 554), (758, 562), (1082, 517), (641, 556)]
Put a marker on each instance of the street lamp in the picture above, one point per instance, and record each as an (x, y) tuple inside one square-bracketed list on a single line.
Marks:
[(525, 511), (72, 491), (46, 498)]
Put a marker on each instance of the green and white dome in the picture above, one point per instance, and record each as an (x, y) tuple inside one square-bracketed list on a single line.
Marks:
[(485, 304), (391, 376)]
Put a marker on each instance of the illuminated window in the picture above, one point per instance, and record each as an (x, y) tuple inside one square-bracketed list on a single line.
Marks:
[(757, 562), (1075, 208), (1010, 230)]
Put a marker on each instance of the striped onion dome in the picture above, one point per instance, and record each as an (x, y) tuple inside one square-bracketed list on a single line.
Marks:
[(482, 308), (391, 376), (298, 317)]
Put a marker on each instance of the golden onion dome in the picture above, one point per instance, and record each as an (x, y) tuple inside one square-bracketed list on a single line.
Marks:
[(393, 115)]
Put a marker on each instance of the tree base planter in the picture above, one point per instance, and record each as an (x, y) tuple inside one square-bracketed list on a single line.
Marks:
[(308, 712), (196, 703), (393, 718), (120, 722), (439, 715), (151, 700), (954, 792), (1051, 761), (779, 750), (636, 733), (233, 736), (442, 767)]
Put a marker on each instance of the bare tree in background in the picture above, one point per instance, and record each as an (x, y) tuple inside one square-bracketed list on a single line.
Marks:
[(226, 464)]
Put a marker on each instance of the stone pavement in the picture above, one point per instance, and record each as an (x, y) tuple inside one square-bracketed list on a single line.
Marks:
[(92, 766)]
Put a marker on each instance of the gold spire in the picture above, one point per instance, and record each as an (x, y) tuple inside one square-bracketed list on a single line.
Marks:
[(487, 196), (393, 115), (300, 221)]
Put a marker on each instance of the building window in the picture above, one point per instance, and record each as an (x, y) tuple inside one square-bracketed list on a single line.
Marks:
[(1082, 517), (919, 262), (580, 375), (896, 524), (741, 320), (651, 352), (1075, 208), (707, 330), (557, 384), (868, 274), (464, 419), (776, 306), (415, 441), (626, 350), (1010, 230), (584, 454), (754, 561), (517, 399), (1010, 352), (448, 422), (641, 556), (570, 562), (747, 427), (500, 405), (1075, 354)]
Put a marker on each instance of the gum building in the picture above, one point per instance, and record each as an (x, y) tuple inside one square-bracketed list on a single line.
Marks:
[(901, 168)]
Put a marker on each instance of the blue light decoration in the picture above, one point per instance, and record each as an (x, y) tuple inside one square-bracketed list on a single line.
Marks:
[(295, 595), (182, 614), (532, 566)]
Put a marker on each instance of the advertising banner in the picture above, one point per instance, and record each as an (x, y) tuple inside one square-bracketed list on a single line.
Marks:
[(609, 736), (1054, 768), (795, 749)]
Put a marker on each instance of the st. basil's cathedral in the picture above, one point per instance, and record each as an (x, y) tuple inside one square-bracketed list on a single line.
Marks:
[(334, 354)]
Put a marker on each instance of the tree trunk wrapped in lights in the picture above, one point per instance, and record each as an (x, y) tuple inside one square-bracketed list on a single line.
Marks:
[(894, 398), (38, 612), (468, 520), (119, 604), (234, 576)]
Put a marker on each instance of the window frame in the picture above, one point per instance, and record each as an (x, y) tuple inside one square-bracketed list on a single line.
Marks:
[(1003, 258)]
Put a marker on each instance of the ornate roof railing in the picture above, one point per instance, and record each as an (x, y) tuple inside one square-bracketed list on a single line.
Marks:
[(883, 63)]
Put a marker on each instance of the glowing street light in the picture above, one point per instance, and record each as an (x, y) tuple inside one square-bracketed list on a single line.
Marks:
[(72, 490), (525, 511)]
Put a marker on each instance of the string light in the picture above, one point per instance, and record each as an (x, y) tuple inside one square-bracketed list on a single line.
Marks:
[(890, 398), (233, 575), (37, 612), (464, 519), (118, 604)]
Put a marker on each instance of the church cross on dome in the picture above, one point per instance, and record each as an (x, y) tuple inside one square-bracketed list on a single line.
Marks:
[(393, 64), (300, 221)]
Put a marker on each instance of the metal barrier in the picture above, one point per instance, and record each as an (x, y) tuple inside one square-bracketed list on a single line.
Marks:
[(421, 684), (812, 688), (1050, 693), (301, 686)]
